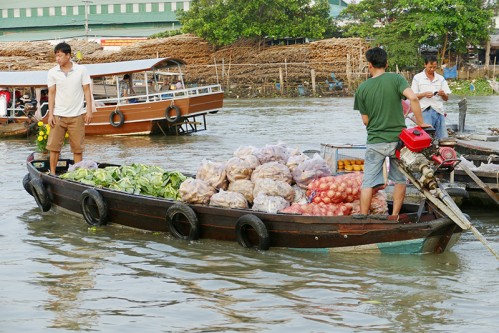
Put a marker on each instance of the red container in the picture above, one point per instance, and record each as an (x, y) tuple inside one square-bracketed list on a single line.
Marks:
[(416, 139)]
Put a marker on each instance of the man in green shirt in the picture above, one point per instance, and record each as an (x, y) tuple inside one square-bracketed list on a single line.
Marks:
[(379, 101)]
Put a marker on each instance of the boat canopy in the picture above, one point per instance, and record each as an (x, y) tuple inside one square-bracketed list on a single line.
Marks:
[(132, 66), (39, 78)]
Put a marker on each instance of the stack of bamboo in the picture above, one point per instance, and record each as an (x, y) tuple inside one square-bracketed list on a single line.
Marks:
[(244, 62)]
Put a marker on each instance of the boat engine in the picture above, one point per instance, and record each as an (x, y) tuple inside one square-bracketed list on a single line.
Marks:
[(419, 152), (420, 156)]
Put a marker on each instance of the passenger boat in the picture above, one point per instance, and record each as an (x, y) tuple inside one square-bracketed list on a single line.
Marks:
[(425, 230), (150, 106)]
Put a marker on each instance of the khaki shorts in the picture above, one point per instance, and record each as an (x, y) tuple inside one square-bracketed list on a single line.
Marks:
[(75, 126)]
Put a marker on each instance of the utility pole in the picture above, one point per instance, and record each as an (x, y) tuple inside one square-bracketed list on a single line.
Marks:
[(86, 2)]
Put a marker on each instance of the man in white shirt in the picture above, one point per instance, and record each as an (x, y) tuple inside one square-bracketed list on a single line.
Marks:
[(68, 84), (432, 90)]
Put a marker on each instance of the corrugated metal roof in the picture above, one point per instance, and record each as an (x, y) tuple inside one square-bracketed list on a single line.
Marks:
[(52, 3)]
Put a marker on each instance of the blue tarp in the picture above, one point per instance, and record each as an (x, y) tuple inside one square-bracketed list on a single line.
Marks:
[(450, 72)]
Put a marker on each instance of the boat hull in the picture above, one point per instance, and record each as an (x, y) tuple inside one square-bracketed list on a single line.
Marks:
[(149, 117), (429, 234)]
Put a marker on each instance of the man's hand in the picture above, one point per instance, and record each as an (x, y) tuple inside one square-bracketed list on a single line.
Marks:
[(88, 117), (51, 120), (428, 94)]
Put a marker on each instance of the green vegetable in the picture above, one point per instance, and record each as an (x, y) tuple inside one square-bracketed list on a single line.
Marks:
[(136, 178)]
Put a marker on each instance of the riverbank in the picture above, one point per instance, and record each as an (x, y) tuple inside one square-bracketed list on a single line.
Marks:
[(326, 68)]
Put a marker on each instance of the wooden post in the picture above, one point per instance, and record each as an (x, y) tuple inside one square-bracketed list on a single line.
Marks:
[(216, 69), (312, 73), (463, 107), (286, 68), (281, 80)]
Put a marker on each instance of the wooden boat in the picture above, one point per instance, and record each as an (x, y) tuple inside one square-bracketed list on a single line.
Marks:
[(417, 231), (483, 188), (149, 107)]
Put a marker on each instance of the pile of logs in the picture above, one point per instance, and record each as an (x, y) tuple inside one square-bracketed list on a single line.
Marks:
[(245, 62)]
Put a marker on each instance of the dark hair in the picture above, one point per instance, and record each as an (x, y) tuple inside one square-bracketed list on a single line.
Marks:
[(63, 47), (126, 76), (430, 59), (377, 57)]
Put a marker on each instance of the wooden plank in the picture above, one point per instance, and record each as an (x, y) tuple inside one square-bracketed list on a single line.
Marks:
[(482, 185)]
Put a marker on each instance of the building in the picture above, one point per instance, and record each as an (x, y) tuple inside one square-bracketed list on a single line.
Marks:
[(107, 20), (24, 20)]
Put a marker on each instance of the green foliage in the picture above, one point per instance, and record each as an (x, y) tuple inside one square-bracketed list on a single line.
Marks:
[(463, 87), (167, 33), (222, 22), (401, 26)]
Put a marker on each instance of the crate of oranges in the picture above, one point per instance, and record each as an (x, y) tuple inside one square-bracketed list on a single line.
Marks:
[(344, 158)]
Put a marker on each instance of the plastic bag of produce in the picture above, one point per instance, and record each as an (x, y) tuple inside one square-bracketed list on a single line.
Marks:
[(272, 170), (238, 168), (269, 204), (321, 209), (83, 164), (228, 200), (273, 153), (335, 189), (243, 186), (213, 173), (196, 191), (252, 160), (300, 195), (295, 160), (274, 187), (245, 151), (379, 205), (309, 170)]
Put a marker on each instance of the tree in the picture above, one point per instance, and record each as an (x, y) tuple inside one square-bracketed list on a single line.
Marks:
[(222, 22), (402, 26)]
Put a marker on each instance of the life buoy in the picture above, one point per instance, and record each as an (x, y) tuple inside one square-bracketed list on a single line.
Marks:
[(244, 223), (40, 194), (120, 115), (93, 207), (26, 180), (181, 213), (177, 114)]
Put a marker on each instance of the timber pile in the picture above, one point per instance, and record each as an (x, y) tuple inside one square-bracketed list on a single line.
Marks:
[(241, 63)]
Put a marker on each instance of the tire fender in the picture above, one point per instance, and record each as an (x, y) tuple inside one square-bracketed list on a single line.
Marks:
[(40, 194), (120, 115), (180, 213), (26, 180), (250, 221), (93, 207), (176, 116)]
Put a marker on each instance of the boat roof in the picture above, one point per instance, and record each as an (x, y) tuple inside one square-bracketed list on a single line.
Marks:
[(39, 78)]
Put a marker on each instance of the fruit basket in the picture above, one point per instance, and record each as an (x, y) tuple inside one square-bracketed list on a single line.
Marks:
[(343, 157)]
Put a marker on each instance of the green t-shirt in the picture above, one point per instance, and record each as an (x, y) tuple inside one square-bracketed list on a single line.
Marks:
[(380, 99)]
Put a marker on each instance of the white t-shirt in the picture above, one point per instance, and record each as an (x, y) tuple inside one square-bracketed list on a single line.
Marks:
[(69, 96), (421, 83)]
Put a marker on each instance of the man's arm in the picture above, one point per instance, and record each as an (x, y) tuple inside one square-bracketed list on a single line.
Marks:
[(365, 119), (90, 103), (51, 95), (415, 107)]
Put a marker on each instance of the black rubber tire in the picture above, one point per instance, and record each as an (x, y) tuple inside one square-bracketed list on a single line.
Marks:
[(177, 114), (40, 194), (120, 115), (89, 200), (186, 213), (251, 221), (26, 180)]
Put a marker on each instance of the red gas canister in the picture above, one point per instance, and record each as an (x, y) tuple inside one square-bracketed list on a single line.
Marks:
[(416, 139)]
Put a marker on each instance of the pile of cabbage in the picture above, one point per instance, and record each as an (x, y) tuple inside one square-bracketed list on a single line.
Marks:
[(136, 179)]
